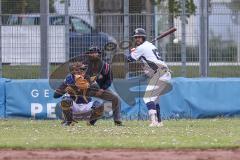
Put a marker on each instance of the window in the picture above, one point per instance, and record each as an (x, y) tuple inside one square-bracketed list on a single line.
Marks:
[(12, 20), (57, 20), (80, 26), (23, 20), (29, 21)]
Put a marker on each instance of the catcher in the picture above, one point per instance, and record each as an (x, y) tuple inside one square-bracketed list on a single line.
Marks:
[(74, 96)]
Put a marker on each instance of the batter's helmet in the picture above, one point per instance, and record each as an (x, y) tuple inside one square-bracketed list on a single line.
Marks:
[(139, 32)]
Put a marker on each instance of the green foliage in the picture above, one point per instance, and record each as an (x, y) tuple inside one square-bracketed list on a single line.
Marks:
[(24, 6), (203, 134), (174, 7), (234, 5), (219, 51)]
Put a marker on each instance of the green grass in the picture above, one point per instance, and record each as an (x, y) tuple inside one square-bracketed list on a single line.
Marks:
[(203, 134), (33, 71), (214, 71), (23, 71)]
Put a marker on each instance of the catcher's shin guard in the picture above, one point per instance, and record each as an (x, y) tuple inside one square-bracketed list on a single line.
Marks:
[(66, 104), (96, 113)]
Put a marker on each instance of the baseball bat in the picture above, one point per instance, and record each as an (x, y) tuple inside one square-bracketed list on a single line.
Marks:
[(164, 34)]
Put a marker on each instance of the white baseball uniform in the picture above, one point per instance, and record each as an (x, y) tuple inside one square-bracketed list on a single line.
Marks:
[(154, 67)]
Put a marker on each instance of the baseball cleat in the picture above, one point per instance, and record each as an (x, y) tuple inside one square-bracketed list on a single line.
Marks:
[(156, 124)]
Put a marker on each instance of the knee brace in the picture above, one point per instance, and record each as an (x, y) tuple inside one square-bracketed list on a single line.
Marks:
[(151, 105), (66, 103)]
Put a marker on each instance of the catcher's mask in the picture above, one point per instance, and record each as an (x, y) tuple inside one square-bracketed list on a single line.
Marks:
[(77, 68)]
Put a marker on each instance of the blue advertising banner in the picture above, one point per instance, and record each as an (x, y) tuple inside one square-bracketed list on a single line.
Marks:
[(2, 97), (202, 98), (190, 98), (30, 98)]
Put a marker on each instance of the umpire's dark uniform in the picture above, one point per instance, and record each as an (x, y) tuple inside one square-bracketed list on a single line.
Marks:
[(103, 73)]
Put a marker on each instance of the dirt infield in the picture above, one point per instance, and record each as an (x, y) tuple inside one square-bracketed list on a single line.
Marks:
[(120, 154)]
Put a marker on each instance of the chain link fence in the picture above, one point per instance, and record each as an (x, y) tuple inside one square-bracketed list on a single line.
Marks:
[(75, 25)]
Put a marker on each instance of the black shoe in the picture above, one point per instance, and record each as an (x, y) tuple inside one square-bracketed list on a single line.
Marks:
[(92, 122), (66, 123), (118, 123)]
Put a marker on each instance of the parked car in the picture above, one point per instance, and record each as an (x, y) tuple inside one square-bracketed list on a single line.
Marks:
[(81, 36)]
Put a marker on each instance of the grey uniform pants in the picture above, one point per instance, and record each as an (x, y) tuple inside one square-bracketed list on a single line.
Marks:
[(108, 95), (157, 86)]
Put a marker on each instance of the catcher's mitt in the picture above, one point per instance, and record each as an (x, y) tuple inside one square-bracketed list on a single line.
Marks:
[(82, 84)]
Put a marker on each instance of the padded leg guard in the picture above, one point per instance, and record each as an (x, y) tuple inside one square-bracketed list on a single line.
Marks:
[(66, 104), (96, 113)]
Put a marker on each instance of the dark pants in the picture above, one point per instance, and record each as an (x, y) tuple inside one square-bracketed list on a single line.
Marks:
[(108, 95)]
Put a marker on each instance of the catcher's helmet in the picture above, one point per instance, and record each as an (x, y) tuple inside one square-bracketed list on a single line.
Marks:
[(94, 49), (77, 65), (139, 32)]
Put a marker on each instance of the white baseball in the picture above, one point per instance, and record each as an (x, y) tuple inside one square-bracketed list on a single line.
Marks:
[(175, 40)]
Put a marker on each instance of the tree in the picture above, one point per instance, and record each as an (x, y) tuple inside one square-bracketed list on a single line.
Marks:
[(234, 6), (174, 8), (24, 6), (174, 11)]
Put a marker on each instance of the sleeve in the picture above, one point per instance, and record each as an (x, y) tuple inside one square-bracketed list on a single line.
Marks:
[(136, 53), (130, 59), (108, 77), (60, 91), (69, 80)]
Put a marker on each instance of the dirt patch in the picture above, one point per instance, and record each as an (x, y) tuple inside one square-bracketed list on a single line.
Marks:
[(120, 154)]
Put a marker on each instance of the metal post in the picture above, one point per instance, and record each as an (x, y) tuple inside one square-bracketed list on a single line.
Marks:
[(92, 13), (0, 39), (156, 22), (44, 22), (183, 42), (148, 18), (67, 27), (126, 23), (238, 39), (203, 46), (126, 30)]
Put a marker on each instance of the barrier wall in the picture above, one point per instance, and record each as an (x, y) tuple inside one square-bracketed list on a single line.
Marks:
[(190, 98), (30, 98), (202, 98), (2, 97)]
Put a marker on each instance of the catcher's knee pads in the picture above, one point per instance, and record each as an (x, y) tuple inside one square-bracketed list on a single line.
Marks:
[(97, 111), (66, 103)]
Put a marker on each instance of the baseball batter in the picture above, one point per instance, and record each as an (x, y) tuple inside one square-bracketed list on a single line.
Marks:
[(156, 69)]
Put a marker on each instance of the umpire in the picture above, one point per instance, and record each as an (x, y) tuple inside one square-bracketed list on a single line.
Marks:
[(102, 71)]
